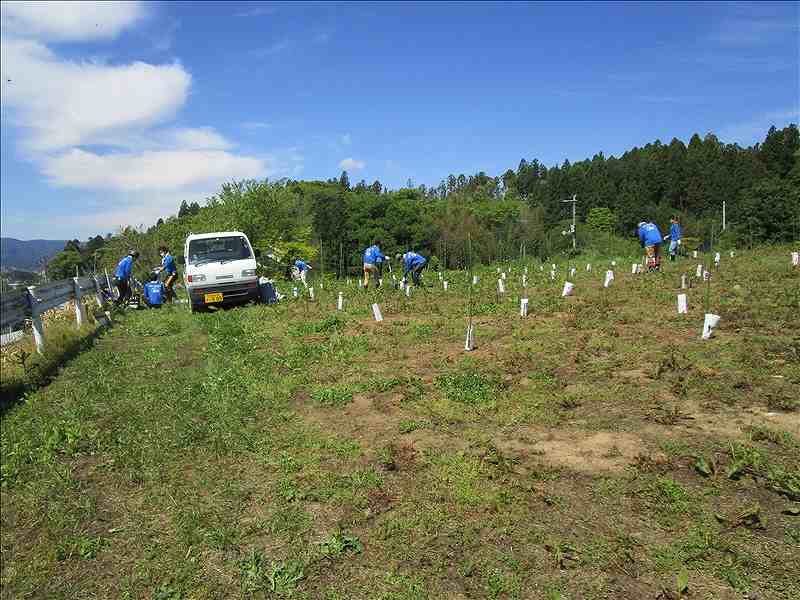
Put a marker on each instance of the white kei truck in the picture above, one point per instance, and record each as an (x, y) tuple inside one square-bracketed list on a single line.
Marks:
[(220, 269)]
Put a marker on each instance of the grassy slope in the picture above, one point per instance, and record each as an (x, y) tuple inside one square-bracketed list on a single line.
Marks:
[(299, 452)]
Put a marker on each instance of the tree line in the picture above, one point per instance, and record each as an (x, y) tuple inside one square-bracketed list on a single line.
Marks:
[(484, 218)]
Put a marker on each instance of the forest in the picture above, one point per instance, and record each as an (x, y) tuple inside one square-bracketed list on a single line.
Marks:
[(484, 218)]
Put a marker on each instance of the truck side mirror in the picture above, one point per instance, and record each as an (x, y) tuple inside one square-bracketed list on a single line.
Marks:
[(257, 252), (181, 260)]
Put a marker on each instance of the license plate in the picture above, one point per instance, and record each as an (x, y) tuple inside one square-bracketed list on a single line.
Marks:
[(213, 298)]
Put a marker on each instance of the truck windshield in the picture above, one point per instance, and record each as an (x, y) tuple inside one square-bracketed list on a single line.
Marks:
[(218, 249)]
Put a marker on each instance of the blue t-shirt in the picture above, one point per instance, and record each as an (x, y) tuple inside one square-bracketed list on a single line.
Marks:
[(168, 262), (373, 255), (154, 292), (124, 268), (675, 232), (301, 266), (649, 234), (412, 260)]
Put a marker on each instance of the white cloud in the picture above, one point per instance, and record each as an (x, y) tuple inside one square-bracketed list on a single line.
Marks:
[(749, 27), (256, 11), (351, 164), (105, 128), (747, 133), (199, 138), (64, 21), (256, 125), (273, 48), (62, 103), (159, 169)]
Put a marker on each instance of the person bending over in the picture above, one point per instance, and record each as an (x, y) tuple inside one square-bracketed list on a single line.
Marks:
[(650, 239), (413, 263), (372, 258)]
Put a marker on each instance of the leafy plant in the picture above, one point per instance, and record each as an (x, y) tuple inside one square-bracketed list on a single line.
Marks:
[(340, 543)]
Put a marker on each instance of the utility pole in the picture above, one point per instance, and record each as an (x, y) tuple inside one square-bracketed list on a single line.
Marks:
[(573, 201), (723, 215)]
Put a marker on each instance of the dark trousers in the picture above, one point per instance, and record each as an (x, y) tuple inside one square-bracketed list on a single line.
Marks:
[(415, 272), (124, 289), (169, 286)]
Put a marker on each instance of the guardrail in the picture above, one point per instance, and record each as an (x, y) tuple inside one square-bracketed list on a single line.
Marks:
[(18, 306)]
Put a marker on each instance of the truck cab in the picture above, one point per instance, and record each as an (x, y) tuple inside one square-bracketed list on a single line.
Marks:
[(220, 269)]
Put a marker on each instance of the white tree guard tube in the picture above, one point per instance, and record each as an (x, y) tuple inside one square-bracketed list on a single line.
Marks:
[(294, 292), (568, 289), (683, 307), (572, 272), (634, 268), (699, 272), (376, 312), (524, 281), (408, 290), (444, 285), (588, 267), (340, 302), (609, 278), (710, 322), (694, 253), (683, 282), (311, 293), (474, 280), (469, 342), (501, 286), (717, 259), (503, 275), (795, 259), (523, 307)]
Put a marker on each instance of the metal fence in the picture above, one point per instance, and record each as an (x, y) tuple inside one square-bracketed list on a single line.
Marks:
[(20, 305)]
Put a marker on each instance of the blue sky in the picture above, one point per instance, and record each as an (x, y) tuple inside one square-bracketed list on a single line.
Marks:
[(113, 114)]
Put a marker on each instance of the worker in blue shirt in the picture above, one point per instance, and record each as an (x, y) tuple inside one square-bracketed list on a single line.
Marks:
[(674, 236), (373, 257), (302, 268), (154, 292), (650, 238), (170, 270), (122, 277), (413, 263)]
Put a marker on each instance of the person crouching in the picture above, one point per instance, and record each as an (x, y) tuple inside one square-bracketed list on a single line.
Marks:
[(413, 263), (154, 292), (650, 239)]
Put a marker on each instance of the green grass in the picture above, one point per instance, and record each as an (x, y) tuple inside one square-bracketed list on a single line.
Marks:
[(293, 451)]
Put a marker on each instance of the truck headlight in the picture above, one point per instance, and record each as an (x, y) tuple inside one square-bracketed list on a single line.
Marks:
[(195, 278), (249, 273)]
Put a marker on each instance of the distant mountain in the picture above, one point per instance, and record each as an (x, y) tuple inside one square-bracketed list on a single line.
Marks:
[(27, 255)]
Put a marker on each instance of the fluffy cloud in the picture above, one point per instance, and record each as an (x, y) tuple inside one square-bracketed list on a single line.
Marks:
[(68, 21), (62, 103), (160, 169), (104, 128), (351, 164)]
